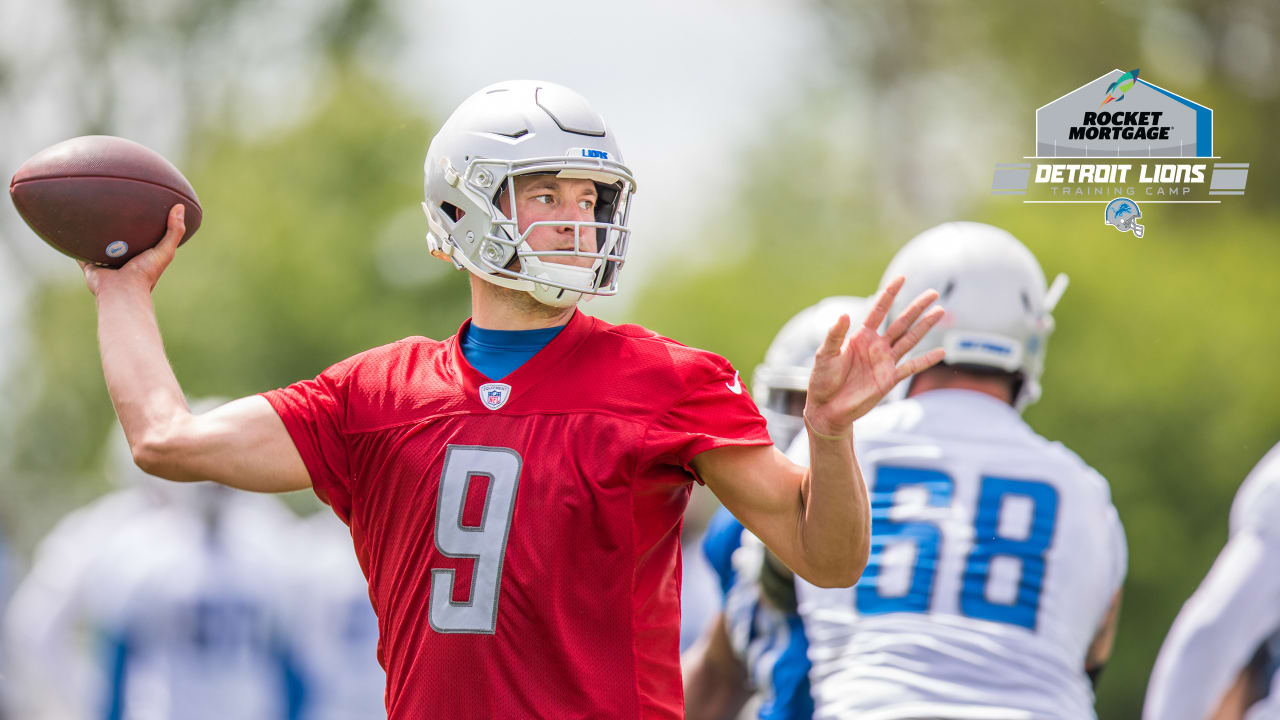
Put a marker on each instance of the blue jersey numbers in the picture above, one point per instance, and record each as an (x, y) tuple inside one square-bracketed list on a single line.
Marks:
[(886, 532), (1034, 506), (989, 544)]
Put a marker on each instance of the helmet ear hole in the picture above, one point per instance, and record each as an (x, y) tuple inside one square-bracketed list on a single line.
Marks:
[(452, 211)]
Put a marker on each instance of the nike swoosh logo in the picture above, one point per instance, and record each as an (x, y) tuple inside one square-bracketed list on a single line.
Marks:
[(736, 387)]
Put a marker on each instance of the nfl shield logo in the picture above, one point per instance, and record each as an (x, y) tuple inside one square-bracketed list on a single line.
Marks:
[(494, 395)]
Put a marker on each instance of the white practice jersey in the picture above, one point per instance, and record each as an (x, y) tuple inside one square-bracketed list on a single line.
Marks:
[(189, 611), (995, 555), (1232, 615), (51, 650), (332, 625)]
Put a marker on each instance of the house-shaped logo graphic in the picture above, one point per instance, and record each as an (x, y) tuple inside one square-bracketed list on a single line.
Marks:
[(1148, 121)]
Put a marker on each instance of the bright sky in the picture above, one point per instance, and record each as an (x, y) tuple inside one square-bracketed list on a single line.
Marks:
[(685, 85)]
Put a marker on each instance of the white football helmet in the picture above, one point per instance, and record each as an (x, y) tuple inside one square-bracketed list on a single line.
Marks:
[(998, 312), (517, 128), (780, 383)]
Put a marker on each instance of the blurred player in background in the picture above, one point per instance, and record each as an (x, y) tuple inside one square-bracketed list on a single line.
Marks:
[(757, 642), (156, 601), (196, 627), (1222, 656), (699, 586), (52, 649), (332, 626), (997, 557), (515, 492)]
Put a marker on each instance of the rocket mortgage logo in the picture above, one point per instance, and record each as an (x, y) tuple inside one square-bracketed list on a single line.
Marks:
[(1122, 138)]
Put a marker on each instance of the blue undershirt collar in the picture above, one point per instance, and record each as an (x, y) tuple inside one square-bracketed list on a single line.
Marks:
[(498, 353)]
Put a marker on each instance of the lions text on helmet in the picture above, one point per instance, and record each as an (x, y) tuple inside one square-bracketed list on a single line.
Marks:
[(998, 310), (540, 147)]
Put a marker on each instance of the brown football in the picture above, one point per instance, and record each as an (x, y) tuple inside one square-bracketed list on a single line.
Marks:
[(101, 198)]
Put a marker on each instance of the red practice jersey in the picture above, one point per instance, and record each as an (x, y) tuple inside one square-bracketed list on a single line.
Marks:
[(522, 539)]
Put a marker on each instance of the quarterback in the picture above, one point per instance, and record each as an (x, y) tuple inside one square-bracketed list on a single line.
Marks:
[(515, 491)]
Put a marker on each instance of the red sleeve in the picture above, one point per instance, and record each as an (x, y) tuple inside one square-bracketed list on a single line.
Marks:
[(716, 410), (314, 412)]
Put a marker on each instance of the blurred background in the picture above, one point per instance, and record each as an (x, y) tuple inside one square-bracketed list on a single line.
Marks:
[(783, 152)]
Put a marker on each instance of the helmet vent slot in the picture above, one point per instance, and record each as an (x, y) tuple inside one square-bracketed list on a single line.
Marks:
[(570, 112), (514, 135)]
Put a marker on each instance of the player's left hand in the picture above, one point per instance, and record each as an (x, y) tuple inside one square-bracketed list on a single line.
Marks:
[(851, 376)]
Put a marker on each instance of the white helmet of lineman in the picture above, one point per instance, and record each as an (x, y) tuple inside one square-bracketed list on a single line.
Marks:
[(998, 312), (780, 383), (517, 128)]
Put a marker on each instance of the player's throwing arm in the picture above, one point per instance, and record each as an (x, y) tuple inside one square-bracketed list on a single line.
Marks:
[(243, 443)]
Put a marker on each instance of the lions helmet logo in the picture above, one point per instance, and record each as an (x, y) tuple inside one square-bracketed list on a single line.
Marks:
[(1123, 214)]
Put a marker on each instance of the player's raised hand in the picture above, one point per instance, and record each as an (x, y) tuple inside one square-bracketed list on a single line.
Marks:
[(850, 376), (144, 270)]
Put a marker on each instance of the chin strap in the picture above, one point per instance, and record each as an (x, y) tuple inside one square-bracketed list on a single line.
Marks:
[(554, 296), (558, 273)]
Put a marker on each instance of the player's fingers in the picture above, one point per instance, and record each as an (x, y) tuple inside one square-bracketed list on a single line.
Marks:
[(835, 337), (153, 261), (87, 268), (177, 228), (884, 299), (904, 344), (908, 316), (919, 363)]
